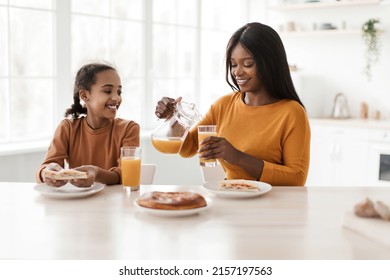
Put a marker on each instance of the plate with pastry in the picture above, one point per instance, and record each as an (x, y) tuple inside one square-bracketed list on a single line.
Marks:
[(68, 190), (237, 188), (172, 203)]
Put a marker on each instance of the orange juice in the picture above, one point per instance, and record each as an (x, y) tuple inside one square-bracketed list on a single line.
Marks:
[(201, 137), (168, 146), (131, 172)]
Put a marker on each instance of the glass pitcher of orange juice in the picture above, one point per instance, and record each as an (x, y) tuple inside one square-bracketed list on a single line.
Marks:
[(169, 136)]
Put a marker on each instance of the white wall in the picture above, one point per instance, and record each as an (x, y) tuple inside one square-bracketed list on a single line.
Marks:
[(334, 63), (20, 167)]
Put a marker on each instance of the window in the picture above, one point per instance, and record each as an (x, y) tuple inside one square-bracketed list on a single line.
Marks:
[(26, 71), (219, 19), (160, 48), (112, 31)]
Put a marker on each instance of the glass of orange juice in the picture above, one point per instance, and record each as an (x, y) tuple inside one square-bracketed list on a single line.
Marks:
[(131, 168), (205, 131)]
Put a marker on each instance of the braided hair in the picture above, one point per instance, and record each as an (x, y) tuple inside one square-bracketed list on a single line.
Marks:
[(85, 78)]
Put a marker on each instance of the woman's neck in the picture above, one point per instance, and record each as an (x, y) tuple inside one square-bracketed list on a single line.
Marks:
[(258, 99)]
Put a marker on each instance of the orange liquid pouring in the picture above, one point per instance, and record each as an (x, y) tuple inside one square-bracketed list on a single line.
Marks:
[(168, 146)]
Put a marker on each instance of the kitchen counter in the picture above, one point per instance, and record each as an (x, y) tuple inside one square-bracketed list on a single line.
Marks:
[(352, 122)]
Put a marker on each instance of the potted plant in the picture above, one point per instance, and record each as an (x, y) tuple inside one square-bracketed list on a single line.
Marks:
[(370, 35)]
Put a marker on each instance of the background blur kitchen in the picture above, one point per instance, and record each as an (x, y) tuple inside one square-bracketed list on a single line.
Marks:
[(176, 48)]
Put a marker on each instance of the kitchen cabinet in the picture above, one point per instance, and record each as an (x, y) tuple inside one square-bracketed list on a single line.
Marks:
[(349, 152), (352, 158), (322, 167), (339, 155)]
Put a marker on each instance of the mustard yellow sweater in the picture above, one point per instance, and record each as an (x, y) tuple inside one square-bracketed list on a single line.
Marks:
[(278, 134), (80, 145)]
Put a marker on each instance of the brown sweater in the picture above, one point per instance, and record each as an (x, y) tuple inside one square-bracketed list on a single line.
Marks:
[(80, 145)]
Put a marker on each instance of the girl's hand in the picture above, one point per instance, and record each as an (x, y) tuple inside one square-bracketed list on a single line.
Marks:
[(92, 172), (53, 182), (165, 107), (214, 147)]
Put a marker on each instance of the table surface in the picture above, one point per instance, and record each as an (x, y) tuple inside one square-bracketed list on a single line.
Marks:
[(285, 223)]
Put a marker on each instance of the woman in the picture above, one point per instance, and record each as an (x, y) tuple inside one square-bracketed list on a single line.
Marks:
[(90, 140), (263, 130)]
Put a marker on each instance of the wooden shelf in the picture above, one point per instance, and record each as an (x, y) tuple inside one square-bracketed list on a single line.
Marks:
[(319, 5), (321, 32)]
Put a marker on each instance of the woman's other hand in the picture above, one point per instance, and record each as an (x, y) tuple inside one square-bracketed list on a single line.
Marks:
[(165, 107), (53, 182), (92, 172), (214, 147)]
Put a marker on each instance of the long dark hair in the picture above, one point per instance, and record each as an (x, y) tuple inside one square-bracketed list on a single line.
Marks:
[(267, 50), (85, 78)]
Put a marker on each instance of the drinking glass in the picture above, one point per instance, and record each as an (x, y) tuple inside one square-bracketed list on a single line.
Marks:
[(131, 168), (205, 131)]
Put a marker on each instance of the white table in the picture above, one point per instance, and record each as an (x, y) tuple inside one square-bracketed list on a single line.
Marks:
[(286, 223)]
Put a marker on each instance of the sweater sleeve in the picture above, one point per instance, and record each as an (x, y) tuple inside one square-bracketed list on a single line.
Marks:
[(190, 145), (132, 134), (295, 157), (58, 148)]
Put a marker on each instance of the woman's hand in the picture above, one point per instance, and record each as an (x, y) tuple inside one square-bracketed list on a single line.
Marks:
[(92, 172), (53, 182), (219, 148), (165, 107)]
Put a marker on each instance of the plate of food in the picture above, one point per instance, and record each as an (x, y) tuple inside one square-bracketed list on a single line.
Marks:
[(172, 203), (237, 188), (68, 190)]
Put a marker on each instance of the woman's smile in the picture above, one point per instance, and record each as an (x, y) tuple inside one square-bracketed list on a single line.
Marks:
[(242, 82)]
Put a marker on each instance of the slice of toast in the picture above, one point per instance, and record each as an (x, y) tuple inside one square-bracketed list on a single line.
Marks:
[(237, 185), (66, 174)]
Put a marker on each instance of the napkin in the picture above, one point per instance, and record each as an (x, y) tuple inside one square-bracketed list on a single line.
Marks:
[(373, 228)]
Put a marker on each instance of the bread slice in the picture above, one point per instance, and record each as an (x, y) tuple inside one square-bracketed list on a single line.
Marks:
[(66, 174), (172, 200), (238, 185), (366, 209)]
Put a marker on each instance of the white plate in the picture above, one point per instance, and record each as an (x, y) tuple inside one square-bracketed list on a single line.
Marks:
[(174, 213), (68, 190), (213, 187)]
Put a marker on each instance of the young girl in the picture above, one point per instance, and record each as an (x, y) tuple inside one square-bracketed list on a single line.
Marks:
[(263, 130), (90, 140)]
